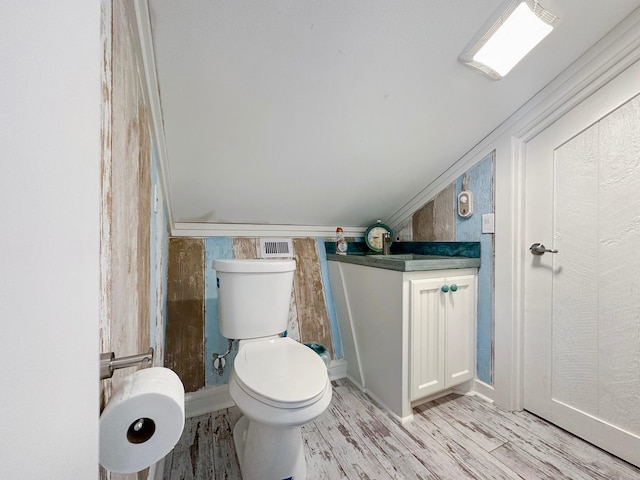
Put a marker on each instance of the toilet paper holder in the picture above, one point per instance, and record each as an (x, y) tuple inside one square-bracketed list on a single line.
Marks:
[(109, 362)]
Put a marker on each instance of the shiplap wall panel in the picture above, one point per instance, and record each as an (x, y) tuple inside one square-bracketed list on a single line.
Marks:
[(435, 221), (126, 204), (216, 248), (106, 31), (245, 248), (313, 319), (480, 181), (185, 311), (130, 196)]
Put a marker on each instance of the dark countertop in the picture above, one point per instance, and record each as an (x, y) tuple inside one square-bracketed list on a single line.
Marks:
[(412, 256), (407, 262)]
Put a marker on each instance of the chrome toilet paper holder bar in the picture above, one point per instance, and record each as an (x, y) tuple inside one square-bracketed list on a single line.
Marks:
[(109, 362)]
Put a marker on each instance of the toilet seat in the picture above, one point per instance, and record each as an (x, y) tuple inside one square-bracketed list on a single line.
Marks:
[(281, 372)]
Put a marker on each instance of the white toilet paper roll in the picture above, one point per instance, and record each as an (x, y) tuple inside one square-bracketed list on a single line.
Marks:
[(142, 421)]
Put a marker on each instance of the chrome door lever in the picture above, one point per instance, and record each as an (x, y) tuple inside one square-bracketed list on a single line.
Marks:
[(540, 249)]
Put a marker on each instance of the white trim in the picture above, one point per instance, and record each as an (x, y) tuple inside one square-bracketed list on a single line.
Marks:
[(356, 383), (517, 282), (337, 369), (609, 57), (207, 400), (151, 92), (482, 390), (354, 336), (249, 230), (381, 404)]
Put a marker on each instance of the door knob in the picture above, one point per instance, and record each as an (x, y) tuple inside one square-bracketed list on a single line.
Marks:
[(540, 249)]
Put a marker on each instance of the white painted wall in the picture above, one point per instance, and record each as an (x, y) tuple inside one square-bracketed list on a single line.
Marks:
[(49, 241)]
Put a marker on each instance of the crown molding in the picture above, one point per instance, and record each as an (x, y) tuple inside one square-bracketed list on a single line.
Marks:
[(250, 230), (143, 40)]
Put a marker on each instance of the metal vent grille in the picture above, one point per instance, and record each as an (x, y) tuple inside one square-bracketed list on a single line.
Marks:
[(275, 248)]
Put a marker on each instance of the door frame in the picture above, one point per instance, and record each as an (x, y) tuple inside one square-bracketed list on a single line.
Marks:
[(618, 69)]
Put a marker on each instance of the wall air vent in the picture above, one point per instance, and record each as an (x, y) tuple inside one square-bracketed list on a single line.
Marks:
[(275, 248)]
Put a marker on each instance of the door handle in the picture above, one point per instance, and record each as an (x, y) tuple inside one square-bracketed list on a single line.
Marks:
[(540, 249)]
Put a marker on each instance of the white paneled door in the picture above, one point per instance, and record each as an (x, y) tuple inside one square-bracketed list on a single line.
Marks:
[(582, 304)]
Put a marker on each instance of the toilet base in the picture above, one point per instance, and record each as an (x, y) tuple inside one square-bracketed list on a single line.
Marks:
[(266, 452)]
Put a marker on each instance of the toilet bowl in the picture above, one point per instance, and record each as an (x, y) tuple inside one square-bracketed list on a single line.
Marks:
[(279, 385)]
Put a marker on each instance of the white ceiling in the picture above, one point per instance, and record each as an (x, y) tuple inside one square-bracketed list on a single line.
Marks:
[(335, 112)]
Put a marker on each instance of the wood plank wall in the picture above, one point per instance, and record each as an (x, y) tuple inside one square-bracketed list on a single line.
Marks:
[(126, 243), (185, 343), (184, 350), (313, 319), (436, 220), (126, 203)]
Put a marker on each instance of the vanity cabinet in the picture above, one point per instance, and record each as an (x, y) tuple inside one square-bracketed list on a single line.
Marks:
[(442, 333), (403, 338)]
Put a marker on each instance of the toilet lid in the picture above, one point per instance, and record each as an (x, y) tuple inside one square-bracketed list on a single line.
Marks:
[(281, 370)]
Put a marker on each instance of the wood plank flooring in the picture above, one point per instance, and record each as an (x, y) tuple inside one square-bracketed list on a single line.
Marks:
[(455, 437)]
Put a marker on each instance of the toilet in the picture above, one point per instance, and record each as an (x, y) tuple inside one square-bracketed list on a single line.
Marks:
[(277, 383)]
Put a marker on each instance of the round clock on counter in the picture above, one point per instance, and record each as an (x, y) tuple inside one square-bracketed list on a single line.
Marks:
[(374, 236)]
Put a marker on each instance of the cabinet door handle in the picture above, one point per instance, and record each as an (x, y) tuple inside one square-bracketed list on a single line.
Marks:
[(454, 287), (444, 288)]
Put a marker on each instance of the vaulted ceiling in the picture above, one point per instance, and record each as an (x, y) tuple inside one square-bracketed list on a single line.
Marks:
[(335, 112)]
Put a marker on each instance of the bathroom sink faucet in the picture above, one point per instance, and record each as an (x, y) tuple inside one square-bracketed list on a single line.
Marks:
[(386, 243)]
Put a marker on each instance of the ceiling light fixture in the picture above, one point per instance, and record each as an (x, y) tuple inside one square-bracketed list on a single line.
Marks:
[(512, 31)]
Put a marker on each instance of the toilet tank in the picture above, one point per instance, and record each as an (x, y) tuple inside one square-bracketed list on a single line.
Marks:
[(253, 296)]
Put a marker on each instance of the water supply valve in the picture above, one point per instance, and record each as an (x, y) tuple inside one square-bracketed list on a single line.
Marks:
[(219, 359), (218, 364)]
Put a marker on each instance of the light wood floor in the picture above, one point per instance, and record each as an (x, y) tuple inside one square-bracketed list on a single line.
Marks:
[(455, 437)]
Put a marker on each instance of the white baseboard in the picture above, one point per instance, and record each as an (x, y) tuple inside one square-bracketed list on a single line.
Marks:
[(356, 383), (207, 400), (483, 390), (381, 404), (337, 369)]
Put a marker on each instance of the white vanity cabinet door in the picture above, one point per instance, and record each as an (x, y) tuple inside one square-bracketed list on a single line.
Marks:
[(460, 330), (426, 337), (442, 335)]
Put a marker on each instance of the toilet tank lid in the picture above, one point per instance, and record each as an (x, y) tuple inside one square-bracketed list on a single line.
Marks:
[(253, 265)]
